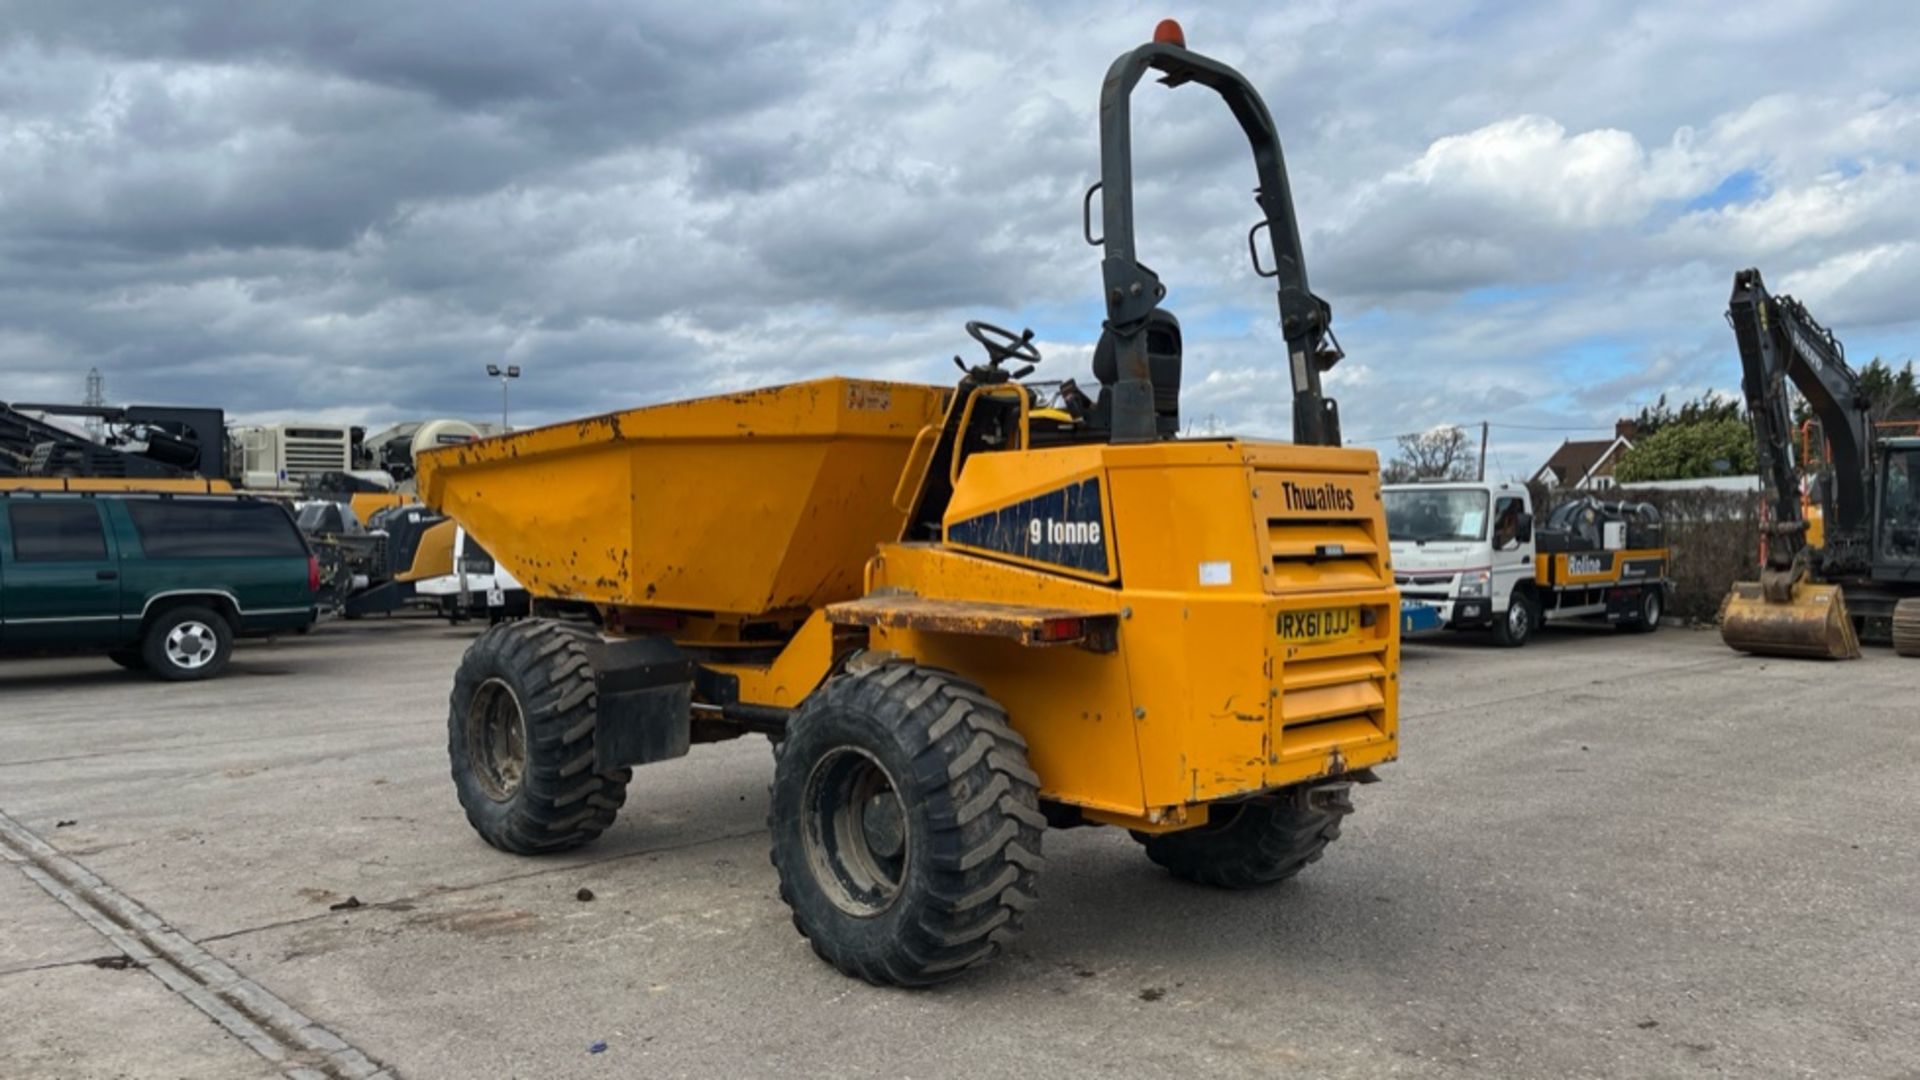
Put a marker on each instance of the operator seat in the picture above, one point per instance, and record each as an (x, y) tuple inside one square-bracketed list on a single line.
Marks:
[(1163, 368)]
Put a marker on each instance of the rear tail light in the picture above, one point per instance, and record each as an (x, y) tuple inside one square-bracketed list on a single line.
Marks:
[(313, 573), (1057, 630)]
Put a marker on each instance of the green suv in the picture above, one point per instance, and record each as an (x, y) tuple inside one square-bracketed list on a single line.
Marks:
[(159, 583)]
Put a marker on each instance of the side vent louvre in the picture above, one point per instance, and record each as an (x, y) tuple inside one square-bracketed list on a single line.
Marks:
[(1324, 530), (1332, 701), (1323, 554)]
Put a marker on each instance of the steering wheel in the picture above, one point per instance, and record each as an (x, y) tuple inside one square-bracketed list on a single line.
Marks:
[(1003, 345)]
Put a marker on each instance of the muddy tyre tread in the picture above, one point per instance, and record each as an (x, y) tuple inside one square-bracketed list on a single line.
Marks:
[(967, 786), (1263, 843), (562, 803)]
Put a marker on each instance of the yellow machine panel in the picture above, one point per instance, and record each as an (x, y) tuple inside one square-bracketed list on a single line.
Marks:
[(434, 555), (748, 503), (1234, 671), (365, 504)]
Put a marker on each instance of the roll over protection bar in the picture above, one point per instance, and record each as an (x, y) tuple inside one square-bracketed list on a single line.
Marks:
[(1133, 290)]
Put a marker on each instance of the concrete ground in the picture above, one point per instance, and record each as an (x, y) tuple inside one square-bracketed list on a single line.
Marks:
[(1603, 855)]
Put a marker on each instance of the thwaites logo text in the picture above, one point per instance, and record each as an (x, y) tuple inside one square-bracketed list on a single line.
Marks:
[(1063, 527), (1320, 497)]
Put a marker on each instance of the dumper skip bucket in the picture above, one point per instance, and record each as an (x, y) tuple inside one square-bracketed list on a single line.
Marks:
[(744, 504)]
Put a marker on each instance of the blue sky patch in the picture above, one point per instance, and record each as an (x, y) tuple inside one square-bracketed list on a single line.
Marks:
[(1739, 187)]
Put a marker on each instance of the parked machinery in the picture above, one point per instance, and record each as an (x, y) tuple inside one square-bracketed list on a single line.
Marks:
[(392, 450), (1863, 574), (1014, 638), (372, 567), (142, 442)]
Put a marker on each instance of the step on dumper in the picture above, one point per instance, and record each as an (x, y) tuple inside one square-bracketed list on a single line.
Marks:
[(963, 616)]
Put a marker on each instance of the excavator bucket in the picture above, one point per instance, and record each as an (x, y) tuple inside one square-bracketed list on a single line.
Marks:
[(1812, 623)]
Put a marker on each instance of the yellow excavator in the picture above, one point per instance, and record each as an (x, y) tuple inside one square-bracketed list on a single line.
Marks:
[(1842, 554), (962, 616)]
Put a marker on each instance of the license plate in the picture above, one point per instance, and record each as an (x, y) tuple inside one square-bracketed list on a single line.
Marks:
[(1319, 624), (496, 598)]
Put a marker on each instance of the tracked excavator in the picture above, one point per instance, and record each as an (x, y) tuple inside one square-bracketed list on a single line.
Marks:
[(1841, 552)]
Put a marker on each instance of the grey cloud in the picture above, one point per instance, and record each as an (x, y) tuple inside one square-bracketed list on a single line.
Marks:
[(646, 65), (352, 207)]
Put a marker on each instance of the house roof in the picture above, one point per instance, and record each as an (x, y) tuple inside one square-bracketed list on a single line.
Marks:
[(1578, 460)]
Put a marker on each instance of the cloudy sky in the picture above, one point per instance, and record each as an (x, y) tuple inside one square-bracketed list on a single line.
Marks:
[(1524, 213)]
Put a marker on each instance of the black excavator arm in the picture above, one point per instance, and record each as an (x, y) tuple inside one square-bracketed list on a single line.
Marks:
[(1133, 290), (1780, 343)]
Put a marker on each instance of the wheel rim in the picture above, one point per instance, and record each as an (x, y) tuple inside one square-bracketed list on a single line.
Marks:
[(1517, 619), (1653, 610), (857, 833), (496, 740), (191, 645)]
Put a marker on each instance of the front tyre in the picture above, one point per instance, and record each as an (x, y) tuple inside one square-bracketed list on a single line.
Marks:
[(1258, 842), (520, 729), (906, 825), (1515, 627)]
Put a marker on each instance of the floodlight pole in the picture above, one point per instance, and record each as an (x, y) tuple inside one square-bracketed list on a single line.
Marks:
[(512, 371)]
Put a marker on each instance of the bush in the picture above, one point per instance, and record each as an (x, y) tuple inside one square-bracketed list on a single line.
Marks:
[(1686, 451)]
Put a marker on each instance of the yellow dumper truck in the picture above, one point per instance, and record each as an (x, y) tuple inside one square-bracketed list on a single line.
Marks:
[(962, 615)]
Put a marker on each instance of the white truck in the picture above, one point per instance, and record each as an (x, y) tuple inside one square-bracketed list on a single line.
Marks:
[(1473, 552)]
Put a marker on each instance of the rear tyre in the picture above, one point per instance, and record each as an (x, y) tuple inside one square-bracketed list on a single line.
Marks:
[(129, 659), (1250, 844), (520, 729), (187, 643), (906, 825), (1906, 627), (1646, 619), (1515, 628)]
